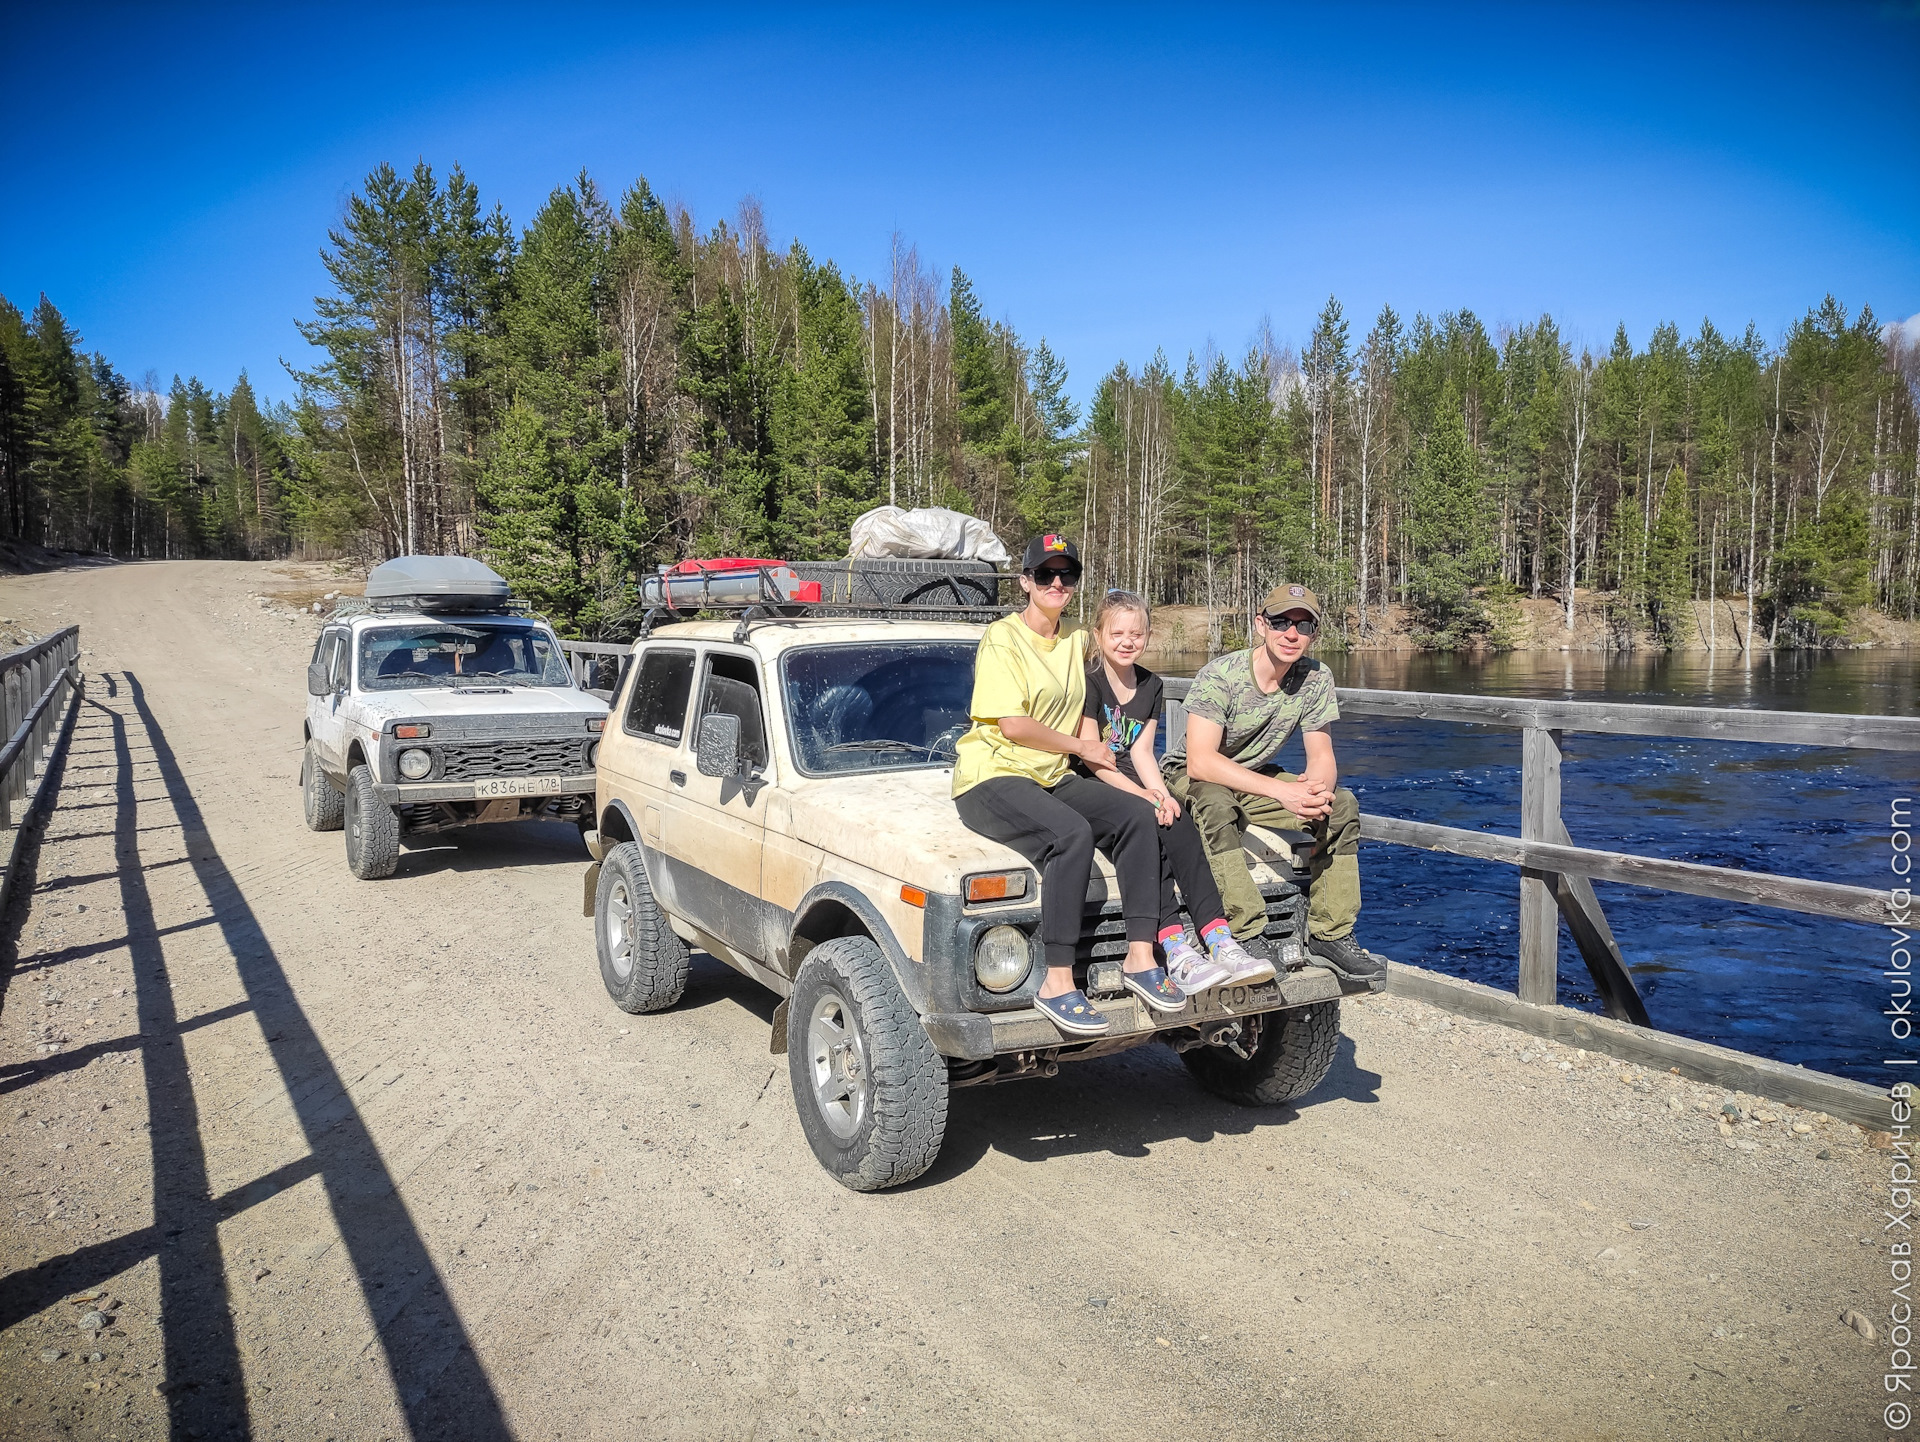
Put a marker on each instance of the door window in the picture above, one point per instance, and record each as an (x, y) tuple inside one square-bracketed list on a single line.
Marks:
[(335, 657), (661, 691), (733, 689)]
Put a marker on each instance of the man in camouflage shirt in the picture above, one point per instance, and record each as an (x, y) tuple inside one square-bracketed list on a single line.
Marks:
[(1240, 712)]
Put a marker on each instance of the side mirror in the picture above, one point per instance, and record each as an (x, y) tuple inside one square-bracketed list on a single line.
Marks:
[(717, 751), (317, 678)]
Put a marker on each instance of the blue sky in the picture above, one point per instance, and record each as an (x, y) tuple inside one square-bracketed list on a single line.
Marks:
[(1115, 180)]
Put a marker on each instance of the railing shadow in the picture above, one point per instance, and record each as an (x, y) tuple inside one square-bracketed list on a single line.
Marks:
[(442, 1388)]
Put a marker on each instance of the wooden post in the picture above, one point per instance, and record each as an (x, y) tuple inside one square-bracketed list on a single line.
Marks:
[(1539, 821)]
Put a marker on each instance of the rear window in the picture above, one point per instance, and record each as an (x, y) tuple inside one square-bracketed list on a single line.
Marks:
[(661, 691)]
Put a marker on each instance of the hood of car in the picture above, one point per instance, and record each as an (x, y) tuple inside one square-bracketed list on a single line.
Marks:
[(457, 702), (903, 824)]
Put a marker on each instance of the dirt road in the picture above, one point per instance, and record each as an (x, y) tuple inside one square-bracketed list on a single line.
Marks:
[(327, 1158)]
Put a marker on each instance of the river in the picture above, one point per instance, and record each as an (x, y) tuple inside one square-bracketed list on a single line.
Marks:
[(1801, 989)]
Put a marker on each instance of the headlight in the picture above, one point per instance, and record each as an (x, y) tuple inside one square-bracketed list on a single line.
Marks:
[(593, 754), (1003, 958), (415, 763)]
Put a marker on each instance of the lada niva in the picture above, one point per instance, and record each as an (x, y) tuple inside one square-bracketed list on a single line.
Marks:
[(776, 792), (440, 705)]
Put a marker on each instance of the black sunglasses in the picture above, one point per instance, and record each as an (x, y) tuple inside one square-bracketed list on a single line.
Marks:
[(1306, 625), (1043, 576)]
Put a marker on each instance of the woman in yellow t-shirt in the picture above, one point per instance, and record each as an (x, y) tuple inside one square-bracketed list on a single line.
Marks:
[(1012, 783)]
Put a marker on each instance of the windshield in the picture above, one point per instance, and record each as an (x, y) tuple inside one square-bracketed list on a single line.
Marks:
[(515, 653), (879, 707)]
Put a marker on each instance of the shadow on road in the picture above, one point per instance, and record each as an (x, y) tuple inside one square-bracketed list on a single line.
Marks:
[(442, 1387), (1120, 1104)]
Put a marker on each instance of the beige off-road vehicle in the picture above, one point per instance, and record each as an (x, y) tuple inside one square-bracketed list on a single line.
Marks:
[(775, 792)]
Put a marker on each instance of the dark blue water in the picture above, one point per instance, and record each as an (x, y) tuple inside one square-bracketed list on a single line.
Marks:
[(1797, 988)]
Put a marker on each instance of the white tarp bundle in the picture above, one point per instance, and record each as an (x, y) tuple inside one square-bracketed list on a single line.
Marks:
[(929, 534)]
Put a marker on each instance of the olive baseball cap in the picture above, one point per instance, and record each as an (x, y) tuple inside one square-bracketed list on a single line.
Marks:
[(1288, 597)]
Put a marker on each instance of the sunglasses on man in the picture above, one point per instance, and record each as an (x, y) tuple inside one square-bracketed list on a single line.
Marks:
[(1305, 625)]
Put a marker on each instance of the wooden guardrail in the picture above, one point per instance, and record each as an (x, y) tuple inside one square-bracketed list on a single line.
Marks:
[(584, 656), (38, 686), (1556, 876)]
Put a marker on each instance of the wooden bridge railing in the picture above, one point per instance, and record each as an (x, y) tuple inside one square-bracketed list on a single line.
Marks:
[(1556, 876), (584, 656), (37, 686)]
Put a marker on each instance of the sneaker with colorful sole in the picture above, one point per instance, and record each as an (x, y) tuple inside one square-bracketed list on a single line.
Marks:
[(1191, 967), (1245, 967)]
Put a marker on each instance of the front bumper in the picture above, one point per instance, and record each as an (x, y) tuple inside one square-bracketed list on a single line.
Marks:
[(976, 1038), (405, 793)]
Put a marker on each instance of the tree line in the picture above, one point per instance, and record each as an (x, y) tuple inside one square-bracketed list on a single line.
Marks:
[(614, 386)]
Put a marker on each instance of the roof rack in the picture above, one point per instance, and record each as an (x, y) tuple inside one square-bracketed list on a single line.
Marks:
[(431, 605), (757, 594)]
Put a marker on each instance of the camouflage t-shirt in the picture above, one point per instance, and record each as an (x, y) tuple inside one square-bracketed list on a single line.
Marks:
[(1255, 725)]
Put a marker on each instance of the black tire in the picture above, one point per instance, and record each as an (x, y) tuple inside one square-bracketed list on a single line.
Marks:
[(326, 809), (373, 830), (642, 962), (887, 1125), (1293, 1056)]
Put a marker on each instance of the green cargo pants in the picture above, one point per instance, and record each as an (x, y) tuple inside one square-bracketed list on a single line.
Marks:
[(1221, 813)]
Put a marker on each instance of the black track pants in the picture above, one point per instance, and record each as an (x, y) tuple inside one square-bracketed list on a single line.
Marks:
[(1183, 858), (1057, 831)]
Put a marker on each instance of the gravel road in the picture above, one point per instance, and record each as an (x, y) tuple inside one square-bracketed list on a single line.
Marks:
[(291, 1155)]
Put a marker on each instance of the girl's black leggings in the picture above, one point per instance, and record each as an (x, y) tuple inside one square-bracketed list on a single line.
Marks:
[(1183, 858), (1057, 830)]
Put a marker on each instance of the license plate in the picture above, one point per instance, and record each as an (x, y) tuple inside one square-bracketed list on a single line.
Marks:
[(519, 786), (1224, 1001)]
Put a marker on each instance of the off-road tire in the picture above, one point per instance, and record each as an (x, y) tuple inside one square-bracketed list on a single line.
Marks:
[(325, 808), (630, 930), (1294, 1055), (373, 830), (903, 1113)]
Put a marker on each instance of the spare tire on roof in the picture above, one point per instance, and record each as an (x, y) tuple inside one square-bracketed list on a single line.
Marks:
[(960, 585)]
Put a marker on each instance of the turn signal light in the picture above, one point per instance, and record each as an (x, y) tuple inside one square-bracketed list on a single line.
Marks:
[(595, 723), (413, 731), (913, 896), (997, 886)]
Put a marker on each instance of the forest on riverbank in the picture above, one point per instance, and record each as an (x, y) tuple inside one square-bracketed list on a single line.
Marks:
[(614, 386)]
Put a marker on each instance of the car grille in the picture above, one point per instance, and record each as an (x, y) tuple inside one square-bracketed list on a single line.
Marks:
[(479, 760), (1103, 933)]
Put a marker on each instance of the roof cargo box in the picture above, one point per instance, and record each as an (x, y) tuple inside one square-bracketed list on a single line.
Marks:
[(439, 583)]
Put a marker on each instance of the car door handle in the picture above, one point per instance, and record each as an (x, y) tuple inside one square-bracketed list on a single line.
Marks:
[(679, 778)]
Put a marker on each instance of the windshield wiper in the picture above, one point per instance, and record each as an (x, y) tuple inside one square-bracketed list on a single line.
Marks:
[(878, 743)]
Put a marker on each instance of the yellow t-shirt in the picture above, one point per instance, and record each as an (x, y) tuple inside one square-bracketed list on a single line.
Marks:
[(1018, 674)]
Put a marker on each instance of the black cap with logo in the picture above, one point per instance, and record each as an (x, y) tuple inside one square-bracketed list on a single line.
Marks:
[(1042, 549)]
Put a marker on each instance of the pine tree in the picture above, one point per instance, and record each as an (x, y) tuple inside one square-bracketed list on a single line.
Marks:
[(821, 416)]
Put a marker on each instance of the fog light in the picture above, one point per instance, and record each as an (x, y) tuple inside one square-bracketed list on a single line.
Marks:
[(415, 763), (1003, 958)]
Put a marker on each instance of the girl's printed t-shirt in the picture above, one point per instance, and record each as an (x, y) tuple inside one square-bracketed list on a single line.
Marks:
[(1017, 673), (1121, 723)]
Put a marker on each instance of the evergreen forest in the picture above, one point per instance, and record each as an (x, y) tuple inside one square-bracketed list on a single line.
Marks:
[(613, 386)]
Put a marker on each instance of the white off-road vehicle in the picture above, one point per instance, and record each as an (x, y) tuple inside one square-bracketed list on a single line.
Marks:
[(776, 792), (441, 704)]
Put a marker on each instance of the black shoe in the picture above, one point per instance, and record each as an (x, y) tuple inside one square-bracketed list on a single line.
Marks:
[(1347, 957)]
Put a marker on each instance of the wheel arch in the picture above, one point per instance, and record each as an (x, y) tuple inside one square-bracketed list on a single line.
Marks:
[(616, 823), (834, 909)]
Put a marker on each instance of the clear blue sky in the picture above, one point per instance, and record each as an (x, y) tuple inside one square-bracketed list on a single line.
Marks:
[(1116, 179)]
